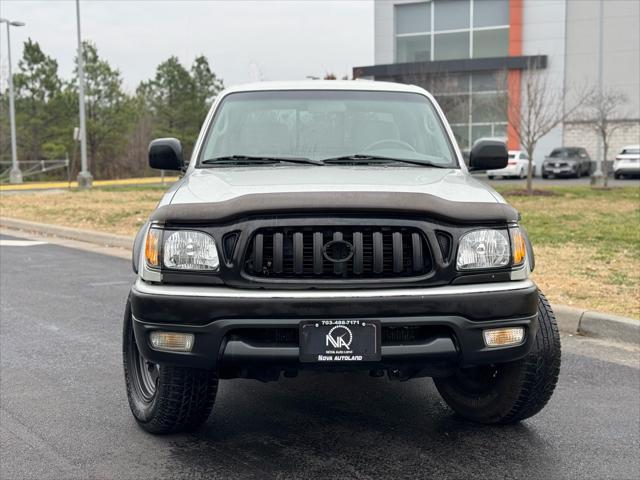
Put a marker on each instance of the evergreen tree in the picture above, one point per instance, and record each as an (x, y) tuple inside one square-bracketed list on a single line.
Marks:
[(37, 86), (119, 126), (178, 99), (109, 110)]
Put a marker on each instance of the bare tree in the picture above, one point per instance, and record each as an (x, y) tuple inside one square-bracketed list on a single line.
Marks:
[(599, 113), (451, 91), (542, 107)]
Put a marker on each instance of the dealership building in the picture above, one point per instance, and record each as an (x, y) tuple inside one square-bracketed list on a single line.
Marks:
[(471, 53)]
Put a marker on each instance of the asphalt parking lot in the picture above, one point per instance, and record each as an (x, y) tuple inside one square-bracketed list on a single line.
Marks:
[(539, 182), (64, 412)]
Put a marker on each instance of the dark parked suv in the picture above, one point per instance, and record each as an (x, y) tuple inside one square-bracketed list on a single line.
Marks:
[(334, 226), (566, 162)]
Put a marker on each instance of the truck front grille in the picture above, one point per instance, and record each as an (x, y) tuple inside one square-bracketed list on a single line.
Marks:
[(359, 252)]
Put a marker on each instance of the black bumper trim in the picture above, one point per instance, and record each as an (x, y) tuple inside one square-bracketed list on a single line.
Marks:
[(239, 353), (463, 311), (203, 305), (213, 349)]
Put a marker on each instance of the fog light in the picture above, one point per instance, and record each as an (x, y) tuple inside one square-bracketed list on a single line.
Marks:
[(171, 341), (502, 337)]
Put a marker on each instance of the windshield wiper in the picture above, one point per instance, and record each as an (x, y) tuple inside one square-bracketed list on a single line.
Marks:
[(257, 160), (364, 159)]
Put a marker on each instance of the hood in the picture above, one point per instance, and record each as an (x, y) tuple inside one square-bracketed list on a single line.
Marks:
[(561, 159), (206, 185)]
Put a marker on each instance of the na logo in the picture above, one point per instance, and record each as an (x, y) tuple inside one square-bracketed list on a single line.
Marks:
[(339, 337)]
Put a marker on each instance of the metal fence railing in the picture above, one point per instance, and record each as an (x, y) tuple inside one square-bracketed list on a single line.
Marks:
[(33, 167)]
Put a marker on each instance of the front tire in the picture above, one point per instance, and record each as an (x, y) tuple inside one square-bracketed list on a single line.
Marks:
[(165, 399), (509, 392)]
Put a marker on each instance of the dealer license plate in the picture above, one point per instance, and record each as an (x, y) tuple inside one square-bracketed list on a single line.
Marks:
[(340, 341)]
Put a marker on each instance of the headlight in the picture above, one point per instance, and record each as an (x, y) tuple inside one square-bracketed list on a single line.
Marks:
[(484, 249), (182, 250), (481, 249), (190, 250)]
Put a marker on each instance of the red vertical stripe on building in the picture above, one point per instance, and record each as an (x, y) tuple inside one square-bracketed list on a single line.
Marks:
[(515, 28), (513, 78)]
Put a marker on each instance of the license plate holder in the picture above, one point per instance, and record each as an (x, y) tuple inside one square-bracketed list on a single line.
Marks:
[(333, 341)]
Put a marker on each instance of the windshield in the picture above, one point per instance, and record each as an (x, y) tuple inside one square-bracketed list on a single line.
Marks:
[(631, 151), (321, 125), (564, 153)]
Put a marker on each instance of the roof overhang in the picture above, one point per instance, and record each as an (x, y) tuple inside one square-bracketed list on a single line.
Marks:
[(448, 66)]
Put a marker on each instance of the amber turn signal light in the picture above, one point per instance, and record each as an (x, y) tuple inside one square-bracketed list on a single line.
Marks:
[(152, 247), (518, 245)]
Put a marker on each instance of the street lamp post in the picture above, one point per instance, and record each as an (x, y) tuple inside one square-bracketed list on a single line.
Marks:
[(84, 177), (15, 175), (597, 177)]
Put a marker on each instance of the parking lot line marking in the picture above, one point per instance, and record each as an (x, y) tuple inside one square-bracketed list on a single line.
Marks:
[(20, 243), (108, 284)]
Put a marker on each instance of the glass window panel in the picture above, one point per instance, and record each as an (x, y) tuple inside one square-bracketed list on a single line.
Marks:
[(421, 80), (461, 132), (455, 107), (320, 124), (491, 43), (485, 81), (480, 131), (451, 14), (500, 130), (488, 13), (413, 18), (451, 46), (450, 83), (413, 49), (488, 107)]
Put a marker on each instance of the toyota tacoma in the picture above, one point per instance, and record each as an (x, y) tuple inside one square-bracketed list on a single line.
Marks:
[(333, 226)]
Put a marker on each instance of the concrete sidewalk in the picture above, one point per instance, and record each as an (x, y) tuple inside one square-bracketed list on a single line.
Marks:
[(570, 320)]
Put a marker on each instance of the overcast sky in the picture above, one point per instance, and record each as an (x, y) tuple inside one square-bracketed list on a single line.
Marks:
[(243, 40)]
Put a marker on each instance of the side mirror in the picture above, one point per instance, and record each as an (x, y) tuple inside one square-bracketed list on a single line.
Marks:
[(166, 154), (488, 155)]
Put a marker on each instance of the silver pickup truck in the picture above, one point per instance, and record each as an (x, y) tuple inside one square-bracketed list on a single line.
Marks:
[(333, 226)]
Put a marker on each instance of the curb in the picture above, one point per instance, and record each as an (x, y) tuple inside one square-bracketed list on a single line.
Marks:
[(570, 320), (106, 239), (597, 324)]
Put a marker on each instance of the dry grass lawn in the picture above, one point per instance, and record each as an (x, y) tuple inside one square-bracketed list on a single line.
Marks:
[(587, 246), (120, 210), (587, 243)]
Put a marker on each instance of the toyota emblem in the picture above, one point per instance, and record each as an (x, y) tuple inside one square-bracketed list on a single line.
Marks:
[(337, 251)]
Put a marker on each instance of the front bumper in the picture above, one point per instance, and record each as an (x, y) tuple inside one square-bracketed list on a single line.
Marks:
[(453, 318), (622, 167), (566, 170), (508, 171)]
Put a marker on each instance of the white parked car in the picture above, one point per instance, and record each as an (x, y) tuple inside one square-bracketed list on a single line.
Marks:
[(627, 162), (517, 166)]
